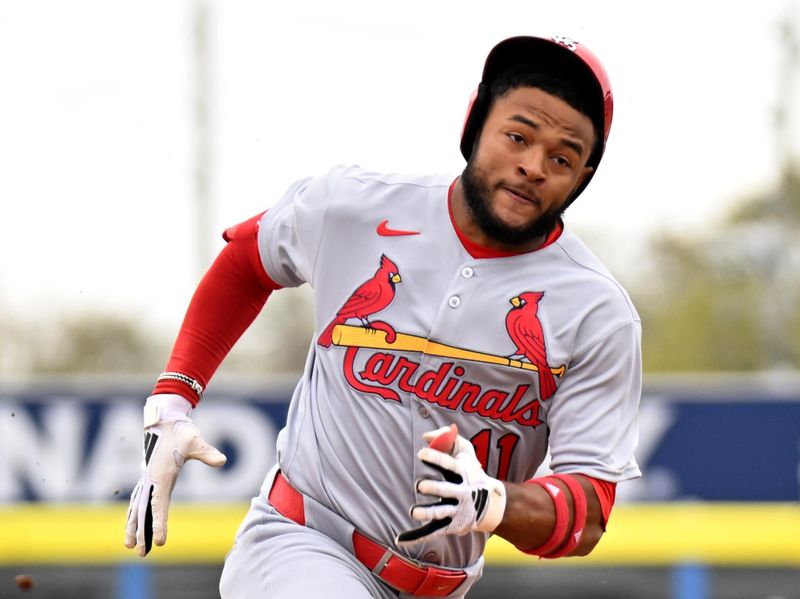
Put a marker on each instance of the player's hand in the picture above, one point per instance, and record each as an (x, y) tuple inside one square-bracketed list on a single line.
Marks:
[(469, 499), (170, 438)]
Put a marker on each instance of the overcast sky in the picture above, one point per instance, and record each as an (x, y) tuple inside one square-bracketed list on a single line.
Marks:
[(97, 139)]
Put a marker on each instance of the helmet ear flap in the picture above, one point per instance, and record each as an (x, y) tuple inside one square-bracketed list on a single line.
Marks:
[(473, 122)]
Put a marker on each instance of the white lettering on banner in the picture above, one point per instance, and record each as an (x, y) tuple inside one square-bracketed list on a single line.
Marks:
[(46, 458), (112, 465)]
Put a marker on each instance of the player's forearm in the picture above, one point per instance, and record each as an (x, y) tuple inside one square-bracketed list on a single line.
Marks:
[(529, 520)]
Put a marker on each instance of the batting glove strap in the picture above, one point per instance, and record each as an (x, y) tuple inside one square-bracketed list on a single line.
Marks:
[(166, 407)]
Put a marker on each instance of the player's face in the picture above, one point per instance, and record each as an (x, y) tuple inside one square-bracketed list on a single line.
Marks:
[(531, 156)]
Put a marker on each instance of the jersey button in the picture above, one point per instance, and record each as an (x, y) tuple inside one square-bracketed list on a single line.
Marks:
[(454, 302), (423, 411), (467, 272), (431, 557)]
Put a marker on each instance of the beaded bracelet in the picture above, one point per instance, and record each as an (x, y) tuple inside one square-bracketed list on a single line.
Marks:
[(179, 376)]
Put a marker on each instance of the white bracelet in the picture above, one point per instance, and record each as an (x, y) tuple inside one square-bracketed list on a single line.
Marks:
[(179, 376)]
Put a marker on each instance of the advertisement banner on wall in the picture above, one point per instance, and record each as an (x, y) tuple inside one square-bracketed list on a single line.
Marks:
[(63, 442)]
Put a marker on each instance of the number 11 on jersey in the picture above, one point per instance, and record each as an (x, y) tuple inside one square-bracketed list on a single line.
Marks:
[(505, 444)]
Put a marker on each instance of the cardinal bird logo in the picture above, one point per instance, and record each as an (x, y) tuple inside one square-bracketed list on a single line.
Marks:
[(525, 330), (371, 297)]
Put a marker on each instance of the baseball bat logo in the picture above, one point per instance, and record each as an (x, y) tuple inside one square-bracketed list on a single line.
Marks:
[(372, 296)]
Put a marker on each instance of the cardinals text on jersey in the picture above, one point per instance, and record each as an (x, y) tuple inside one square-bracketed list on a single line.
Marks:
[(386, 374)]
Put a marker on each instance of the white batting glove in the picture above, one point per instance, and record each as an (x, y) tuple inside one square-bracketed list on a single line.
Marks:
[(170, 438), (469, 499)]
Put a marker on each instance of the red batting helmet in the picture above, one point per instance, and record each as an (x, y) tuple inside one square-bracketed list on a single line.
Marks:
[(563, 55)]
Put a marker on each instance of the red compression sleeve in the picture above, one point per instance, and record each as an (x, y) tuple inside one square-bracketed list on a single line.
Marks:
[(224, 305), (606, 493), (578, 516), (561, 527)]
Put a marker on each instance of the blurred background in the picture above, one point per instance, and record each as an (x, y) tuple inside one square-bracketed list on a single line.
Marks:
[(133, 133)]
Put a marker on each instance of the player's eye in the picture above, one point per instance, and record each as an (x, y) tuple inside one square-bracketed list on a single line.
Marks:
[(516, 138), (562, 161)]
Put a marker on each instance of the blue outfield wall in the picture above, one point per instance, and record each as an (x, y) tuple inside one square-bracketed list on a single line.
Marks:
[(723, 439), (70, 442), (720, 439), (720, 451)]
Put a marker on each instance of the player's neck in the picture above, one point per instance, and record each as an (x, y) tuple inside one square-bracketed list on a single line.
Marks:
[(467, 226)]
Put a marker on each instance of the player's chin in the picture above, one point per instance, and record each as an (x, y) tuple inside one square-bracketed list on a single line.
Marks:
[(516, 230), (517, 217)]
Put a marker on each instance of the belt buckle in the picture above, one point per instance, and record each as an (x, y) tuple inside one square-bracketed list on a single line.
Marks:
[(387, 555)]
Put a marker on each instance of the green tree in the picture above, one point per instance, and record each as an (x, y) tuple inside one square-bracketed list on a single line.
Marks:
[(105, 344), (731, 300)]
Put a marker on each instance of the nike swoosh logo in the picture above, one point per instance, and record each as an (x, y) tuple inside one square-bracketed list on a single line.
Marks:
[(384, 230)]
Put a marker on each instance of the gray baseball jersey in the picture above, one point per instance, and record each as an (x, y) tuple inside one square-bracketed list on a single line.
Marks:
[(524, 352)]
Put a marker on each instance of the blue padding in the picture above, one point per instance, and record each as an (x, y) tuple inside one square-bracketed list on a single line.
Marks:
[(135, 581), (690, 581)]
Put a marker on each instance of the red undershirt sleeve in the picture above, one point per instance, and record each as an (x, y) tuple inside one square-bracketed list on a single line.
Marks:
[(606, 493), (226, 302)]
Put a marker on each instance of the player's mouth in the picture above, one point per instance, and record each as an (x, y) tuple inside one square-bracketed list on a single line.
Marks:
[(520, 195)]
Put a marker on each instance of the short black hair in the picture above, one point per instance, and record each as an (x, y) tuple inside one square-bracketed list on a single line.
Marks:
[(559, 82)]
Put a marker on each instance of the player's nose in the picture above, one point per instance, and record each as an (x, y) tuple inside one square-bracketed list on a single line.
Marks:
[(531, 164)]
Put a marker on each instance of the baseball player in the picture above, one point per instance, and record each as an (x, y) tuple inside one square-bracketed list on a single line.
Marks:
[(463, 332)]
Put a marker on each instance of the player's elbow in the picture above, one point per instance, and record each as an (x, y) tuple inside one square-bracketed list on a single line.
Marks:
[(589, 540)]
